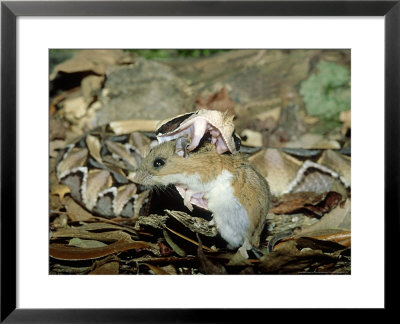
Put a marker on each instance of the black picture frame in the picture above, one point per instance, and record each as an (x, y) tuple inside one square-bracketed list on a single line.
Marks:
[(10, 10)]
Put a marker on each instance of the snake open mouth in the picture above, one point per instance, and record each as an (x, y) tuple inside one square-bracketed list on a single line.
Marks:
[(197, 125)]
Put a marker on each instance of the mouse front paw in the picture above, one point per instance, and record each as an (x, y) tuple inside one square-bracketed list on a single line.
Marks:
[(243, 252)]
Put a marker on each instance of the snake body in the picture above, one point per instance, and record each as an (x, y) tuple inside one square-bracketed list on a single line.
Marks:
[(100, 166)]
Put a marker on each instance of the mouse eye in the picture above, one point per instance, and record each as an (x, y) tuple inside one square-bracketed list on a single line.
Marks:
[(157, 163)]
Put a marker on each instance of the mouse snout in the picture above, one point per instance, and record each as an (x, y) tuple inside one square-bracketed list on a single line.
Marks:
[(142, 177)]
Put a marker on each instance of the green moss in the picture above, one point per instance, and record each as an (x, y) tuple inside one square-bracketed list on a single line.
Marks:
[(327, 93)]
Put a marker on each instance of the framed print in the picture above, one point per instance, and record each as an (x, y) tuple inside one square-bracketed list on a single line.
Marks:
[(243, 82)]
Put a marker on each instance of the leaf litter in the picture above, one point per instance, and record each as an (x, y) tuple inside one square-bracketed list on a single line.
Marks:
[(306, 232)]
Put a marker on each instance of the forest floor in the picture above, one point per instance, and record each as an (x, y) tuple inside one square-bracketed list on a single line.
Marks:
[(292, 112)]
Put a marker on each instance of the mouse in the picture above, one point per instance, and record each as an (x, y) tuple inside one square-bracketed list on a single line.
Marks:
[(225, 184)]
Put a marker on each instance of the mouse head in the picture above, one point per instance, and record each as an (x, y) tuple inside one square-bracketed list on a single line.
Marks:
[(162, 161)]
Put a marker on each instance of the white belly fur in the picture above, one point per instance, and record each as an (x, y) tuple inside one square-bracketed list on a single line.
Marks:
[(230, 217)]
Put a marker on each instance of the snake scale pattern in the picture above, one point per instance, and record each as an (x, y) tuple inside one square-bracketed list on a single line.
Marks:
[(99, 167)]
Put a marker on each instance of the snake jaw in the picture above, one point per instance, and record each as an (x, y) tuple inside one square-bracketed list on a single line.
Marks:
[(196, 125)]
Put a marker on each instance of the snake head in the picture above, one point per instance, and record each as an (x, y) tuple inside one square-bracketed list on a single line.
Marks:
[(196, 125)]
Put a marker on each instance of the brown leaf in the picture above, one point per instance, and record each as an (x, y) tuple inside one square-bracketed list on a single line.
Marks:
[(57, 129), (341, 237), (338, 217), (333, 238), (315, 244), (106, 226), (156, 269), (77, 242), (195, 224), (218, 101), (188, 239), (63, 252), (169, 269), (103, 232), (110, 268), (314, 202), (153, 220), (72, 232), (206, 265), (95, 61), (177, 249), (288, 259), (237, 259)]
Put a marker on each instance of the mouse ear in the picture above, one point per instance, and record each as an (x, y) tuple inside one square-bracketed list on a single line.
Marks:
[(181, 146), (196, 125)]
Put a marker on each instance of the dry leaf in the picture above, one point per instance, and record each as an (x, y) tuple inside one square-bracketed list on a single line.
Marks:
[(173, 245), (188, 239), (288, 259), (338, 217), (169, 269), (95, 61), (218, 101), (327, 242), (109, 268), (195, 224), (156, 270), (206, 265), (237, 259), (109, 236), (63, 252), (316, 203), (77, 242), (57, 129), (334, 240)]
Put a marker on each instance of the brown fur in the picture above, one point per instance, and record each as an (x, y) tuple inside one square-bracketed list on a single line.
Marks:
[(206, 162), (250, 188)]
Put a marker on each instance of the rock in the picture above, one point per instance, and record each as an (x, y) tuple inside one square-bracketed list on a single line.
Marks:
[(144, 90)]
